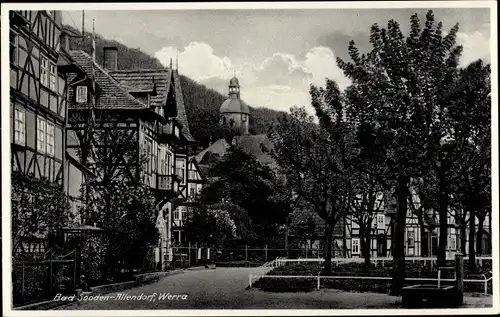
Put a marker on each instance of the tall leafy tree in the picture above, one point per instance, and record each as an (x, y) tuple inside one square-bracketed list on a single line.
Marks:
[(366, 195), (210, 227), (312, 165), (241, 180), (397, 94), (470, 112)]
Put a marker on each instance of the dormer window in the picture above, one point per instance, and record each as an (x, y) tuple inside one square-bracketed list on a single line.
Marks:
[(81, 94)]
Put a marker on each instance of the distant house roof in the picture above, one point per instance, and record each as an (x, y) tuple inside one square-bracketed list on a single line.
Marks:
[(258, 146), (161, 80), (218, 148), (113, 94)]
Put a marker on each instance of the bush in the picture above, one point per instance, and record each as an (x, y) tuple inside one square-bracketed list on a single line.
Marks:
[(286, 284)]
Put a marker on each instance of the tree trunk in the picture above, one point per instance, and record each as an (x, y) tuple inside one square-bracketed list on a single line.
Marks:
[(463, 238), (362, 238), (286, 237), (443, 219), (490, 231), (479, 238), (344, 237), (367, 246), (398, 274), (420, 217), (472, 235), (328, 248)]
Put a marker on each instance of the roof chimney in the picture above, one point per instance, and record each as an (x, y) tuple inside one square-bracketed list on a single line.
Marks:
[(65, 41), (111, 58)]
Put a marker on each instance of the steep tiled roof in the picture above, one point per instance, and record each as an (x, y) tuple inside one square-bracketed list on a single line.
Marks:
[(143, 79), (258, 146), (219, 148), (113, 94), (181, 108)]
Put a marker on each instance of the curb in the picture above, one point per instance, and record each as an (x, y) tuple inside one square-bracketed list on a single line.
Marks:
[(141, 279), (195, 268)]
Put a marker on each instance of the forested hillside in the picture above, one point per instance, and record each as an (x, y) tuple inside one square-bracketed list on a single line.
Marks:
[(202, 104)]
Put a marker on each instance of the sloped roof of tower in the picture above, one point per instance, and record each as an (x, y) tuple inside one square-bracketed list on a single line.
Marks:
[(161, 79), (234, 105)]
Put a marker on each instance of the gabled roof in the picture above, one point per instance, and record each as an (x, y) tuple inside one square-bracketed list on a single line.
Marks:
[(143, 79), (219, 147), (113, 94), (258, 146)]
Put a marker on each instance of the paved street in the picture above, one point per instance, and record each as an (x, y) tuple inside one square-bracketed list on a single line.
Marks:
[(224, 288)]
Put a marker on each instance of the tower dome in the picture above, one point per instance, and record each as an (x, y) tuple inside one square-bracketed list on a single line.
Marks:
[(233, 110), (234, 104)]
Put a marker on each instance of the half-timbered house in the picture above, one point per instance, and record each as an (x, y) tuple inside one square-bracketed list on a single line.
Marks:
[(38, 98), (421, 235), (145, 108)]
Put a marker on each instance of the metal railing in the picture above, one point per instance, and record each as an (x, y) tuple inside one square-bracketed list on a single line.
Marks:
[(382, 260), (252, 277)]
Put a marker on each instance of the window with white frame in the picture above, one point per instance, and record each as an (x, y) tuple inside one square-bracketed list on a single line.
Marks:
[(453, 242), (14, 47), (81, 94), (44, 71), (50, 138), (191, 192), (53, 77), (411, 238), (380, 221), (147, 150), (162, 165), (41, 135), (355, 246), (169, 164), (154, 159), (176, 215), (19, 126)]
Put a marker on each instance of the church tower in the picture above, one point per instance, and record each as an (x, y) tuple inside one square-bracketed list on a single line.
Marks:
[(233, 111)]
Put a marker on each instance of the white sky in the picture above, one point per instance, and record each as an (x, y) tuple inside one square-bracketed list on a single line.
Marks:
[(275, 53)]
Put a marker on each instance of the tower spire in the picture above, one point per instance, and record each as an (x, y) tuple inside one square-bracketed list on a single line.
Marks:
[(170, 62), (177, 63)]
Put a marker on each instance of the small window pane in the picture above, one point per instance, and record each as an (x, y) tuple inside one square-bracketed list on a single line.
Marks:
[(81, 94)]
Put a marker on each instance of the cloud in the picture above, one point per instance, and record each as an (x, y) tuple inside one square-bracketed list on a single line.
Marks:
[(321, 63), (196, 61), (476, 46), (278, 82)]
